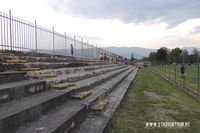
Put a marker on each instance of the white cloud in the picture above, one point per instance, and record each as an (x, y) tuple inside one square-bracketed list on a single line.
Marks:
[(113, 30), (173, 12)]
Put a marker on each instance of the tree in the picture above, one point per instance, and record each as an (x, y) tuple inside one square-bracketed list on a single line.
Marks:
[(152, 57), (185, 55), (161, 55), (185, 52), (176, 54), (195, 52), (194, 56)]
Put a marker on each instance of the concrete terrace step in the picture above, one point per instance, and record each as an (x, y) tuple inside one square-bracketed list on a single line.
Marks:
[(100, 92), (19, 89), (46, 65), (17, 113), (55, 65), (81, 95), (97, 124), (40, 74), (63, 86), (47, 58), (39, 55), (11, 76), (15, 61), (79, 76), (61, 120), (30, 69), (66, 117), (16, 90), (100, 105)]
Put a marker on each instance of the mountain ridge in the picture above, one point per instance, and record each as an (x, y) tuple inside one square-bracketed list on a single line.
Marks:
[(139, 52)]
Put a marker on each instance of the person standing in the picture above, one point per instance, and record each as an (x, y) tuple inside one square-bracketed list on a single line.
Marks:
[(182, 71), (101, 56), (72, 50)]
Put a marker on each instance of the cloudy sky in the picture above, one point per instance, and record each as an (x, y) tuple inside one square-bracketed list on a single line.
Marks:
[(130, 23)]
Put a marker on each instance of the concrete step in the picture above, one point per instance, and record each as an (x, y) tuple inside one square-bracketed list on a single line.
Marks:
[(15, 61), (11, 76), (65, 78), (100, 92), (64, 118), (98, 123), (81, 95), (30, 69), (41, 74), (55, 65), (6, 54), (63, 86), (27, 109), (100, 105), (46, 65), (19, 89), (61, 120), (47, 58), (25, 88)]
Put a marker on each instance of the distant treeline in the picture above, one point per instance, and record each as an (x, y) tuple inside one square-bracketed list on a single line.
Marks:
[(176, 55)]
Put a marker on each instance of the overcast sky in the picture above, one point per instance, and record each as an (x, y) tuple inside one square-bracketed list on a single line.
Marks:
[(130, 23)]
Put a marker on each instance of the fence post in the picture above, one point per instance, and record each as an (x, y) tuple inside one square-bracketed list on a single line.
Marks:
[(82, 47), (198, 76), (65, 43), (168, 64), (184, 70), (4, 29), (92, 50), (164, 69), (175, 72), (96, 51), (1, 31), (53, 40), (174, 63), (75, 45), (169, 71), (36, 47), (87, 49), (10, 18)]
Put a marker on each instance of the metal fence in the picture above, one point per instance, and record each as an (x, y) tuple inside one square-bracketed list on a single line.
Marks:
[(21, 35), (184, 73)]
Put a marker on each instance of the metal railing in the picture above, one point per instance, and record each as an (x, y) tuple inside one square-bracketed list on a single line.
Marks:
[(20, 35)]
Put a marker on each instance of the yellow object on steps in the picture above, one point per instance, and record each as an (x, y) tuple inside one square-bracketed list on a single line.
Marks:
[(16, 61), (81, 95), (63, 86), (30, 69)]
